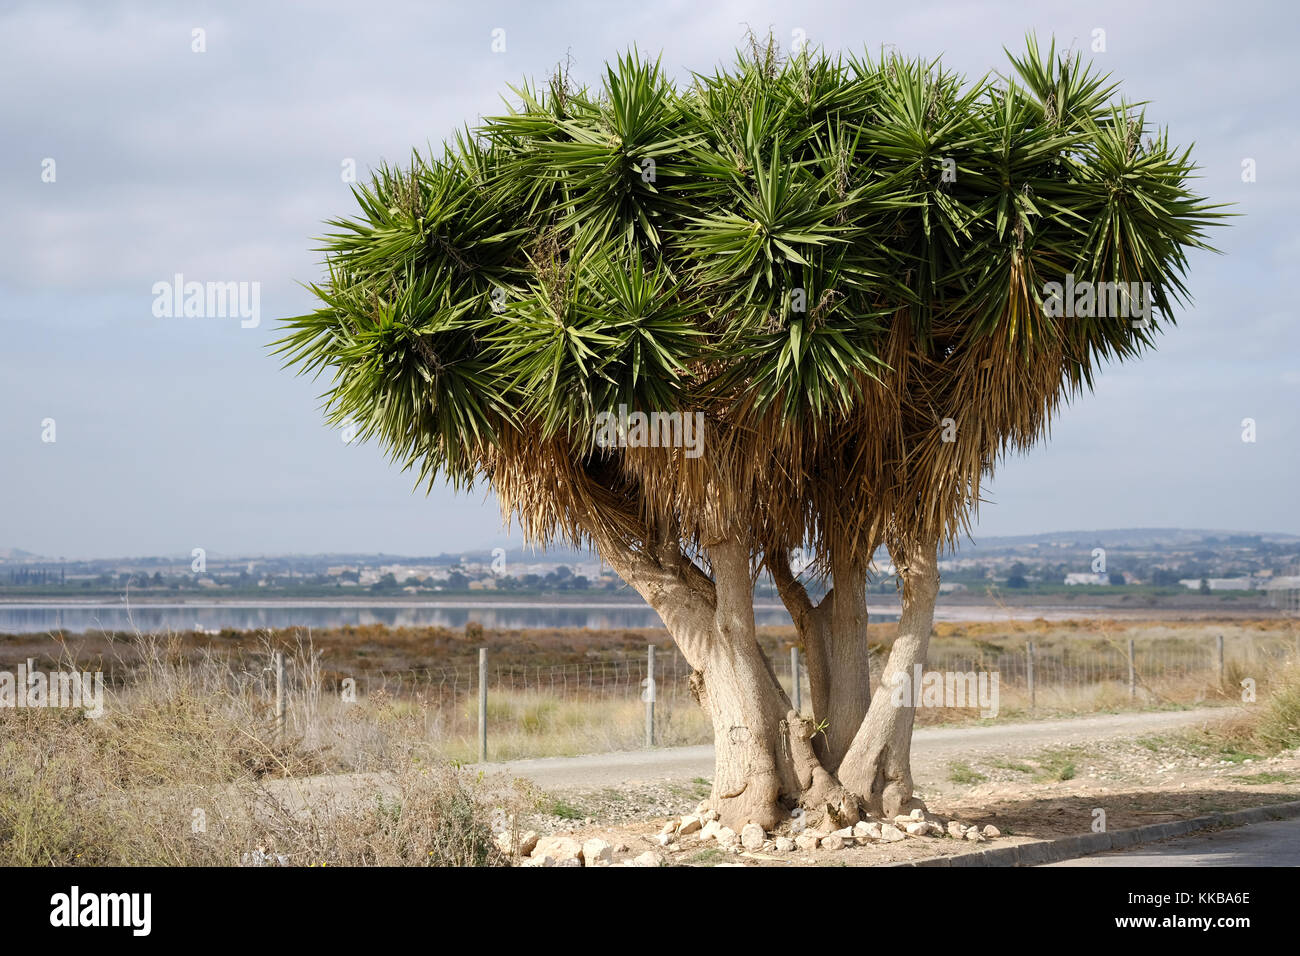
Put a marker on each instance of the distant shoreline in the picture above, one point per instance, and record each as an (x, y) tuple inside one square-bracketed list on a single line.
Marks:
[(948, 612)]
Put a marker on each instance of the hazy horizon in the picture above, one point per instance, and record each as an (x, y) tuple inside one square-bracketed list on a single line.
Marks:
[(531, 549)]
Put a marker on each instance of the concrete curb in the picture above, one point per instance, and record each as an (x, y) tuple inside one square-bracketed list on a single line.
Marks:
[(1071, 847)]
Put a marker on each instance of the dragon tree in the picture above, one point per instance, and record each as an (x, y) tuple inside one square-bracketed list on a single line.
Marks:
[(795, 303)]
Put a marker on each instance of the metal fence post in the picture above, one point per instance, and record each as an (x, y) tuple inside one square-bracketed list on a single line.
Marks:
[(482, 704), (650, 695), (1132, 670), (1218, 641), (794, 681), (1030, 675), (280, 709)]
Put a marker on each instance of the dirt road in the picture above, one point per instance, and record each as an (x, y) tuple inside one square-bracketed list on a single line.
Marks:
[(932, 749)]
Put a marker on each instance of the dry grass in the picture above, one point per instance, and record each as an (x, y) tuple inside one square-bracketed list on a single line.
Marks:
[(188, 738), (1272, 724), (1083, 666), (176, 772)]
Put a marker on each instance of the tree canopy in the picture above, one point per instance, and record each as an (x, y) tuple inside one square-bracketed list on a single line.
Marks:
[(840, 261)]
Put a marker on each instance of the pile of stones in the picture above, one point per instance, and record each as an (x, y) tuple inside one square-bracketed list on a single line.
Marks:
[(704, 826)]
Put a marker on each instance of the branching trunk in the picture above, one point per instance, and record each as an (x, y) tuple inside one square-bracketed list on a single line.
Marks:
[(765, 763), (834, 637), (768, 758), (813, 625), (850, 659), (878, 764), (735, 683)]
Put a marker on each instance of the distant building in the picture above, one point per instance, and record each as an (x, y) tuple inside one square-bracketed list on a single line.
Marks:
[(1284, 593), (1086, 577), (1223, 584)]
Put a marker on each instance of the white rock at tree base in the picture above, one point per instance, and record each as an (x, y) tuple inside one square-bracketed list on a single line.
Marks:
[(833, 842), (527, 843), (646, 859), (596, 851), (726, 836), (891, 834), (807, 841), (870, 831), (992, 831), (974, 835), (690, 824), (956, 829), (752, 836), (559, 848), (918, 828), (844, 833), (710, 830), (784, 845)]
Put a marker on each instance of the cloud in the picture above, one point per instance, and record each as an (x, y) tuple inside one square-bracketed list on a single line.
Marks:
[(222, 165)]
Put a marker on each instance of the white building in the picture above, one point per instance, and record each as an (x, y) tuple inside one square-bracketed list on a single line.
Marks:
[(1223, 584), (1086, 577)]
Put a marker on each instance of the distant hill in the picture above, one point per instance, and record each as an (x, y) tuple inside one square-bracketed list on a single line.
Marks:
[(1121, 538), (1174, 538)]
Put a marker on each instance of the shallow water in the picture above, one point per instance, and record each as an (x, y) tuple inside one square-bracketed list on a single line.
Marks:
[(79, 618)]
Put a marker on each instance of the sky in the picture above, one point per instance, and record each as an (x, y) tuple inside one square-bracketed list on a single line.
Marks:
[(172, 433)]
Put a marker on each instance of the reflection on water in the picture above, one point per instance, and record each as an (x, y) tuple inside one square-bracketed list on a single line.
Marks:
[(38, 618)]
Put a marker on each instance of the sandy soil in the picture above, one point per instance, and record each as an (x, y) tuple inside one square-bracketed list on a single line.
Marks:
[(1027, 790)]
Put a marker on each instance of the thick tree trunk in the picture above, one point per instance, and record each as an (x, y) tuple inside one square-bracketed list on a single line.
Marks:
[(878, 763), (850, 660), (735, 684), (834, 638), (764, 759)]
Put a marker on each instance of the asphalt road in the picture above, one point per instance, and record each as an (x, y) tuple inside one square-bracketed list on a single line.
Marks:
[(1260, 844)]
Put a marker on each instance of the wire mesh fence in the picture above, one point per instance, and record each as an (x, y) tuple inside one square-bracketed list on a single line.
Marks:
[(1077, 676), (1065, 675)]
